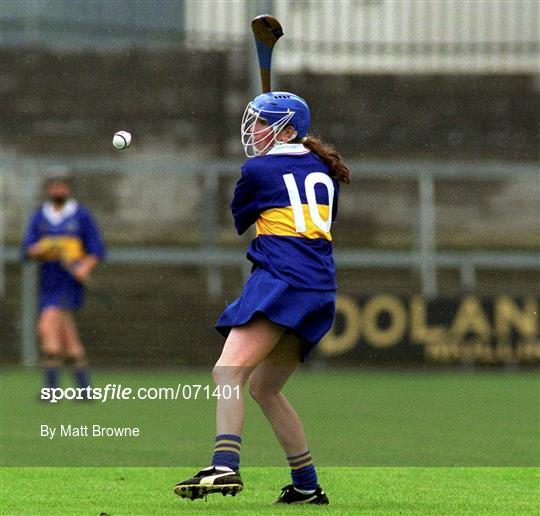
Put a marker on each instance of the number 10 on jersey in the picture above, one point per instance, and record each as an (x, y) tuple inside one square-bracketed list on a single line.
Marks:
[(309, 185)]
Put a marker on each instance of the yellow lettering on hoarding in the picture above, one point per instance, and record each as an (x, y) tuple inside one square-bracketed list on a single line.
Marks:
[(442, 351), (471, 318), (471, 335), (508, 315), (384, 337), (504, 353), (481, 350), (421, 332), (528, 351), (337, 344)]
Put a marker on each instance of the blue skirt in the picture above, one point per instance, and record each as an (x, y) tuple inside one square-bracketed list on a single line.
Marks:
[(306, 313), (64, 299), (57, 287)]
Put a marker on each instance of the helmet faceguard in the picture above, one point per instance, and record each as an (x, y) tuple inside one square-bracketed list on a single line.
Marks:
[(250, 137), (277, 110)]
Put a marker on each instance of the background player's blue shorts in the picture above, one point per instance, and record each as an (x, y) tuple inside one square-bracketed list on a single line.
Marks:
[(307, 313), (59, 288), (64, 299)]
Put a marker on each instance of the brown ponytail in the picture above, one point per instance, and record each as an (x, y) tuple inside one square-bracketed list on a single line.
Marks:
[(330, 156)]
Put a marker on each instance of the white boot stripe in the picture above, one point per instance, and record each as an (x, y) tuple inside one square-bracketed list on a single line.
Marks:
[(209, 480)]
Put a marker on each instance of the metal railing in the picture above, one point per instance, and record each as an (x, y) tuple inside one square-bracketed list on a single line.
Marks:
[(211, 259), (425, 258)]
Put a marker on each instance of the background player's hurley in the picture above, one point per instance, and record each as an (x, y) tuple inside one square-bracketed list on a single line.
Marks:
[(102, 294)]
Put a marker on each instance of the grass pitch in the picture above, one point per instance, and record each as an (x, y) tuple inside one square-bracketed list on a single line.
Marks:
[(144, 491), (384, 443)]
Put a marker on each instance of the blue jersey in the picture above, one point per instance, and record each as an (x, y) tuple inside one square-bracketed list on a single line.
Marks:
[(290, 197), (57, 286)]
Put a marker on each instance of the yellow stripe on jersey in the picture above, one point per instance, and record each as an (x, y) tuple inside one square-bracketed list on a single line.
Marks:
[(72, 248), (280, 221), (66, 248)]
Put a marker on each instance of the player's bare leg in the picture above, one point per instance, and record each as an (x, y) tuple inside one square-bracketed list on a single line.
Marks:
[(245, 348), (50, 335), (265, 385), (72, 342), (50, 330)]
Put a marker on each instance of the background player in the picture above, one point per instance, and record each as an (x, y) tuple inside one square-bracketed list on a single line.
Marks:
[(64, 237), (289, 190)]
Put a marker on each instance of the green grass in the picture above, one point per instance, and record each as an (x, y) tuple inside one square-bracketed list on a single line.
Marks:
[(122, 491), (384, 442), (352, 418)]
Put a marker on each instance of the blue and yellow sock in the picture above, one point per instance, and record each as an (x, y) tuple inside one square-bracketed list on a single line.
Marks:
[(227, 451), (82, 377), (51, 370), (51, 374), (303, 472)]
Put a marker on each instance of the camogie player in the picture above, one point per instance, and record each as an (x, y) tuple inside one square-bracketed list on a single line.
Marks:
[(63, 236), (289, 189)]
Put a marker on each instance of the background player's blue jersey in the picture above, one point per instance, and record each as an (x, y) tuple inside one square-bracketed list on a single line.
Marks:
[(290, 197), (57, 286)]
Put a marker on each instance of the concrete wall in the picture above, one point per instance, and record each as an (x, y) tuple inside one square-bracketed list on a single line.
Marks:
[(186, 105)]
